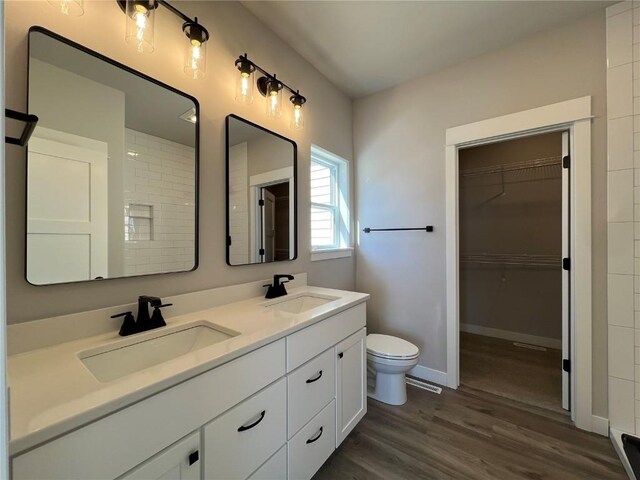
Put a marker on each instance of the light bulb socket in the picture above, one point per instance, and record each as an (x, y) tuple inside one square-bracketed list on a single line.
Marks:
[(266, 85), (245, 65), (195, 32), (297, 100), (147, 4)]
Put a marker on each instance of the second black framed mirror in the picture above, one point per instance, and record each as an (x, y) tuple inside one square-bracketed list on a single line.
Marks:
[(262, 187)]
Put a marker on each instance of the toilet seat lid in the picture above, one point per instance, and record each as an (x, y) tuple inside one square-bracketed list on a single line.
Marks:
[(390, 347)]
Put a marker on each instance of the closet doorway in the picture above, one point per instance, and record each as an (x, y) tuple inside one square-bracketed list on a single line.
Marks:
[(513, 215)]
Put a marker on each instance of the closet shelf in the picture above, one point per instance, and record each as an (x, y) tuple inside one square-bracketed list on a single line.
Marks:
[(514, 167), (520, 260)]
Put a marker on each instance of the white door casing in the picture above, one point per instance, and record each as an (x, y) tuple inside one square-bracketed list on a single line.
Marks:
[(268, 224), (574, 116), (566, 285), (67, 223)]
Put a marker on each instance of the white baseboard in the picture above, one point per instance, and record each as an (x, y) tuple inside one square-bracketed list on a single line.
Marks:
[(429, 375), (513, 336), (600, 425)]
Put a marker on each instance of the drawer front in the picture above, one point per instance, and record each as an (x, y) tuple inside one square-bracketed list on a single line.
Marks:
[(310, 388), (181, 460), (242, 439), (111, 446), (273, 469), (302, 346), (312, 445)]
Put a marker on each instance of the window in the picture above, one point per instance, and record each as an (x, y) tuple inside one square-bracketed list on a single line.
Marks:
[(330, 223)]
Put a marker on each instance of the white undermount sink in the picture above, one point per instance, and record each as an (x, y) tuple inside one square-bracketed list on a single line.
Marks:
[(300, 302), (114, 361)]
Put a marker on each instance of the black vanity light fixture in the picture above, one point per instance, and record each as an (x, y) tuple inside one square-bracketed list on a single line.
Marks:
[(140, 26), (140, 29), (269, 87)]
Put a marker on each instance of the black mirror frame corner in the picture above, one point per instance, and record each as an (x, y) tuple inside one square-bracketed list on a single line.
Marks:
[(227, 205), (82, 48)]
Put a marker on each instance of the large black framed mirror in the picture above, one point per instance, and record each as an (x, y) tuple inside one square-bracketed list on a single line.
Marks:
[(112, 168), (261, 194)]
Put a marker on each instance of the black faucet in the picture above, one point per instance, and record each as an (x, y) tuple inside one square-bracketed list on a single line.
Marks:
[(143, 322), (277, 289)]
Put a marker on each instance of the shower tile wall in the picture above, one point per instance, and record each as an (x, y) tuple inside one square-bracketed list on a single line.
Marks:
[(160, 188), (623, 144)]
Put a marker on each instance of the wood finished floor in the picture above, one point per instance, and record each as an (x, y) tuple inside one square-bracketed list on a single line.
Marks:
[(469, 434), (498, 366)]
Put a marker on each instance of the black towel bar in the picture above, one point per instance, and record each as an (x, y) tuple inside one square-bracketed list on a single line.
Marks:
[(428, 228), (30, 121)]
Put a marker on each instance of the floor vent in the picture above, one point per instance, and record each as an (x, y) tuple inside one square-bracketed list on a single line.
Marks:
[(414, 382), (529, 346)]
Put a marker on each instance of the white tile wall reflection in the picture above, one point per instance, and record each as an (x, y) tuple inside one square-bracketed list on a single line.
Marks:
[(160, 185), (623, 135)]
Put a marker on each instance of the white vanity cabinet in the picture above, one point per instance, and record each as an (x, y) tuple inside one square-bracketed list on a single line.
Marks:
[(351, 383), (277, 412), (180, 461)]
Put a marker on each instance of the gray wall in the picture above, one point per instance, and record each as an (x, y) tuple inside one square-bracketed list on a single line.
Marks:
[(233, 31), (399, 138), (525, 217)]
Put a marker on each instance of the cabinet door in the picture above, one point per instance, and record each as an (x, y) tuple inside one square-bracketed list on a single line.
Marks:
[(273, 469), (181, 461), (351, 383), (242, 439)]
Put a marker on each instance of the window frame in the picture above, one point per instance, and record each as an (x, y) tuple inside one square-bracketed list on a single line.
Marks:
[(340, 189)]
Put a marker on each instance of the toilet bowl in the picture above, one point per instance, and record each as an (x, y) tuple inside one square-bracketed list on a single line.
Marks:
[(388, 360)]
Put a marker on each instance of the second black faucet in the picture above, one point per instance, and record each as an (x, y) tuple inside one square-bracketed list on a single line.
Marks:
[(276, 289)]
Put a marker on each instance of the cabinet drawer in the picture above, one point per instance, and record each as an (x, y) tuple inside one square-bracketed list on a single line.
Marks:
[(181, 460), (111, 446), (310, 388), (302, 346), (312, 445), (238, 442), (273, 469)]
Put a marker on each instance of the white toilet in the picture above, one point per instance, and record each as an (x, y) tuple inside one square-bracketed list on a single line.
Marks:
[(388, 359)]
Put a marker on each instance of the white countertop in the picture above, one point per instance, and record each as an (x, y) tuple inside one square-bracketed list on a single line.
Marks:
[(52, 392)]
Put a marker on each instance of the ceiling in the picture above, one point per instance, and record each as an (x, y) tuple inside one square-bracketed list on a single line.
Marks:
[(367, 46)]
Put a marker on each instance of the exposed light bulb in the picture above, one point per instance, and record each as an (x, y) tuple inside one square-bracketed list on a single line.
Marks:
[(71, 8), (245, 84), (297, 117), (195, 61), (274, 98), (140, 23), (297, 121), (195, 55)]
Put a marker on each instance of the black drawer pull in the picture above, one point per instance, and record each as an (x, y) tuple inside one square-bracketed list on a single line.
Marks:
[(248, 427), (311, 380), (194, 457), (311, 440)]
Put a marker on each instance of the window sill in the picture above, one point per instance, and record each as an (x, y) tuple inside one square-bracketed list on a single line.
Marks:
[(317, 255)]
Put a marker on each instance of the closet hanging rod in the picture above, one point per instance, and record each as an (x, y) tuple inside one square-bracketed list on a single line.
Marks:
[(554, 261), (513, 167), (30, 125), (428, 228)]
